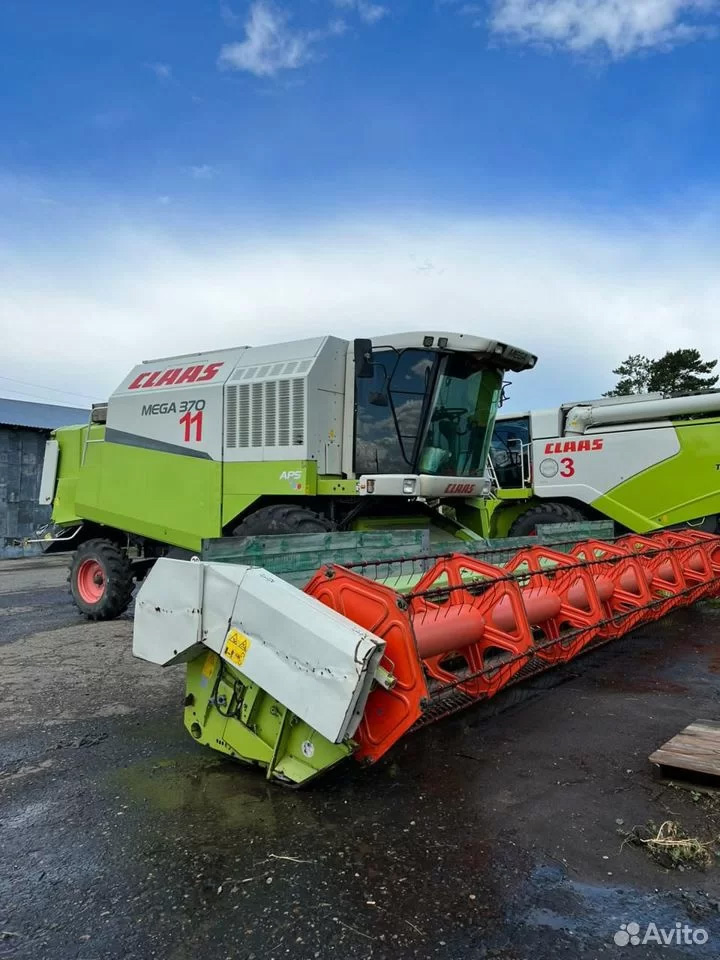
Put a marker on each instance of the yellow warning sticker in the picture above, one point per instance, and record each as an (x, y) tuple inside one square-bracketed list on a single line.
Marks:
[(236, 647), (209, 665)]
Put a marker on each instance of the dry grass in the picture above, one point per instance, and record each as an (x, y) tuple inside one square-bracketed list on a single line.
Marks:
[(670, 845)]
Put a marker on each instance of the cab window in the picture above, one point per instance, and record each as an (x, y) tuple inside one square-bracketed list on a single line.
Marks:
[(509, 451)]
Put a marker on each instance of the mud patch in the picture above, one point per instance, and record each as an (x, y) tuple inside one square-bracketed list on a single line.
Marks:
[(238, 796)]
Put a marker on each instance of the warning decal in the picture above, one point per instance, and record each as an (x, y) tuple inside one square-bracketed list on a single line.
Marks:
[(236, 647)]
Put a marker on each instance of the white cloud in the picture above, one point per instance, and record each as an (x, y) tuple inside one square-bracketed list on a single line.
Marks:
[(621, 27), (367, 11), (203, 171), (271, 44), (163, 71), (579, 296)]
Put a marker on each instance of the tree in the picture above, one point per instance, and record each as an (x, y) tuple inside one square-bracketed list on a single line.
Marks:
[(634, 376), (679, 371), (682, 371)]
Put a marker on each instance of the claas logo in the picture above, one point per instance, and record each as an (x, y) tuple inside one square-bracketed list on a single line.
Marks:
[(574, 446), (175, 376), (460, 488)]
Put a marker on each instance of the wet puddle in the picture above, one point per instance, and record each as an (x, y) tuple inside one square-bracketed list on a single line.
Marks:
[(596, 914)]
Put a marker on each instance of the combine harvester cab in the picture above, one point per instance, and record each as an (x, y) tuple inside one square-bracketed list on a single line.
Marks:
[(645, 462), (295, 680), (303, 437)]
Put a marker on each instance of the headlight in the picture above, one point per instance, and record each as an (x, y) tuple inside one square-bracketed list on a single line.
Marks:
[(371, 486), (409, 486)]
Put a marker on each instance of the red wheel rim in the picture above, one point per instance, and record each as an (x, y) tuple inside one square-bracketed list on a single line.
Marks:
[(90, 581)]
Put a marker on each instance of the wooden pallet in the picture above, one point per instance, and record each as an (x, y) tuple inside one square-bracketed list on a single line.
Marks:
[(694, 754)]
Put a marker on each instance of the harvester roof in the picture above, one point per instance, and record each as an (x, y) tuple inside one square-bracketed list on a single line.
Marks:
[(506, 355)]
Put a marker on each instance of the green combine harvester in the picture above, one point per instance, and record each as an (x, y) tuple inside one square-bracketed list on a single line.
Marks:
[(307, 437), (645, 462)]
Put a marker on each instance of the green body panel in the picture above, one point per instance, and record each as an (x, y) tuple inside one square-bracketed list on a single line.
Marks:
[(440, 526), (492, 519), (71, 441), (167, 497), (162, 496), (258, 729), (685, 487), (336, 487), (157, 495), (243, 483), (514, 493)]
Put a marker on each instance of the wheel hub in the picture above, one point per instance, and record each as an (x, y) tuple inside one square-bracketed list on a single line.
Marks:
[(90, 581)]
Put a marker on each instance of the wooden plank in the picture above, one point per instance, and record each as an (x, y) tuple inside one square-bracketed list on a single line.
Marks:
[(695, 749)]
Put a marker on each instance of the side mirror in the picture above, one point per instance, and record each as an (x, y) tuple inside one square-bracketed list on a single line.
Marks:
[(363, 359)]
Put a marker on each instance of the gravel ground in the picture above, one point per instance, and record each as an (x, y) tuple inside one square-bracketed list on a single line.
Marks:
[(493, 834)]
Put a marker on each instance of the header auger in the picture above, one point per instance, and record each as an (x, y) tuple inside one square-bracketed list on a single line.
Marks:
[(295, 680)]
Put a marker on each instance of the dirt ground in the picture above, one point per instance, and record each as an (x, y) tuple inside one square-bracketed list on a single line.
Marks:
[(498, 833)]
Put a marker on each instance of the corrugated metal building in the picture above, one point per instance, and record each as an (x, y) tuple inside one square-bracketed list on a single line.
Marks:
[(24, 428)]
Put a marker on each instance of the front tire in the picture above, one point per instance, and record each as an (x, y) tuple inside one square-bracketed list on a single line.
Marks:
[(527, 523), (101, 579), (283, 518)]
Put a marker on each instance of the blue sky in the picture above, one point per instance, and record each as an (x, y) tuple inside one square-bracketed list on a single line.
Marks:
[(191, 174)]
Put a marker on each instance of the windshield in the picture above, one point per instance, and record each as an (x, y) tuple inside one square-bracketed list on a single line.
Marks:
[(425, 412), (463, 408)]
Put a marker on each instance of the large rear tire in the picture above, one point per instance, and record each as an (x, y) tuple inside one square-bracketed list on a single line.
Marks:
[(101, 579), (283, 518), (527, 523)]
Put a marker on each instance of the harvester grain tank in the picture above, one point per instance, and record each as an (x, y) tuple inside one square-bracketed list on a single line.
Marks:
[(645, 462), (309, 436)]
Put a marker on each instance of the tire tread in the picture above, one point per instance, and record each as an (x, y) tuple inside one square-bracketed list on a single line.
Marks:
[(550, 512), (282, 518), (119, 583)]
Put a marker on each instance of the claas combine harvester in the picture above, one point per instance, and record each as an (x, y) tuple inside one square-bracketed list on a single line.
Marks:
[(325, 440), (645, 462), (303, 437)]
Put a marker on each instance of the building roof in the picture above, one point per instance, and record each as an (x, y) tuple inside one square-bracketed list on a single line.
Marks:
[(39, 416)]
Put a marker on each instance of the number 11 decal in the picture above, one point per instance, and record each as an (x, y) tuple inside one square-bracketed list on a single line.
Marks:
[(190, 420)]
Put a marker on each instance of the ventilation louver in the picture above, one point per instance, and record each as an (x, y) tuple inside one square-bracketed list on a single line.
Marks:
[(265, 414)]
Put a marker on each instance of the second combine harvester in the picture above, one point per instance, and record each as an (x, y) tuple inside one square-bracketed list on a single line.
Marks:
[(645, 462)]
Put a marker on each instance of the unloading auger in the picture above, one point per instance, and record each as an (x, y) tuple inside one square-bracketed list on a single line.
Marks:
[(294, 681)]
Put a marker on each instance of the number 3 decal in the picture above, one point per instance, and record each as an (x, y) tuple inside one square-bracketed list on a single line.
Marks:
[(568, 469)]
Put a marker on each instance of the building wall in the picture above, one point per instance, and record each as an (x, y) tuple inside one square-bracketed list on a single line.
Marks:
[(21, 459)]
